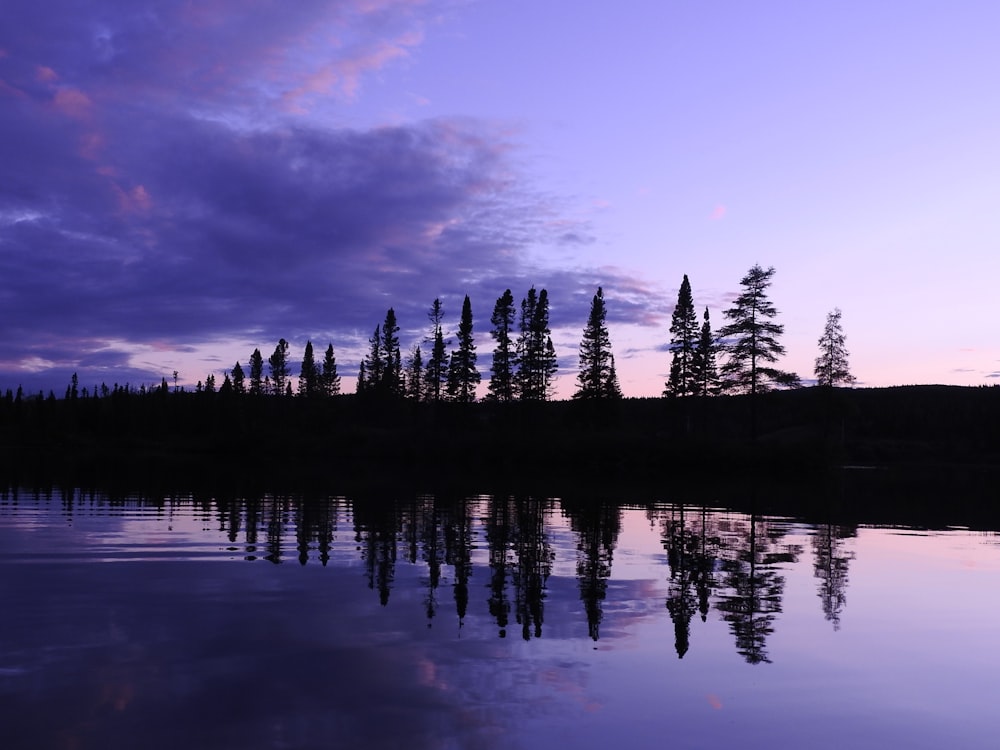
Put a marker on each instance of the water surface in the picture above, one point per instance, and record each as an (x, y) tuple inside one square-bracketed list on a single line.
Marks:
[(283, 622)]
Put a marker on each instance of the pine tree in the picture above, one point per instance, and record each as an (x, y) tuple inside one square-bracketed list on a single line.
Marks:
[(414, 376), (684, 327), (612, 387), (329, 379), (278, 362), (703, 363), (392, 375), (501, 387), (463, 377), (436, 371), (535, 355), (370, 375), (752, 339), (256, 373), (597, 378), (239, 381), (831, 364), (309, 376)]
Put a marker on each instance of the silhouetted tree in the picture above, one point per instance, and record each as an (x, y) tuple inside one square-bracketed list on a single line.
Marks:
[(534, 556), (598, 526), (831, 364), (681, 600), (830, 563), (706, 373), (682, 380), (501, 387), (329, 379), (370, 373), (278, 362), (597, 378), (393, 372), (239, 381), (536, 358), (414, 375), (256, 373), (463, 377), (751, 339), (436, 370), (310, 384)]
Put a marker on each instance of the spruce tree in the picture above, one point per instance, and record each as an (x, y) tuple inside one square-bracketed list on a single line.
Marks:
[(373, 364), (392, 376), (596, 378), (436, 370), (309, 375), (414, 376), (751, 338), (706, 371), (501, 387), (239, 380), (684, 330), (612, 387), (536, 360), (831, 365), (278, 362), (463, 377), (329, 379), (256, 373)]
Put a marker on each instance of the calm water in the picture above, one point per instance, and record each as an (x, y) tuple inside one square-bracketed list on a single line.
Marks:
[(486, 622)]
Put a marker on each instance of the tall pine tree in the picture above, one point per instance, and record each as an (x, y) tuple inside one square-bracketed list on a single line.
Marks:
[(463, 377), (309, 374), (706, 372), (536, 359), (831, 365), (329, 379), (597, 378), (278, 362), (256, 373), (752, 339), (684, 330), (436, 369), (501, 387)]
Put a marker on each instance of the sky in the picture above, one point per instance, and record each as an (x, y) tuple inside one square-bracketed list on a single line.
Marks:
[(183, 182)]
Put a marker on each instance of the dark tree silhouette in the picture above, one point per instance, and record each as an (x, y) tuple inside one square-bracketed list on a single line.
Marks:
[(436, 370), (598, 525), (534, 556), (500, 523), (597, 378), (310, 377), (751, 339), (682, 602), (278, 362), (831, 364), (536, 358), (703, 363), (830, 563), (501, 387), (683, 379), (414, 375), (239, 380), (256, 373), (463, 377), (329, 379), (383, 368)]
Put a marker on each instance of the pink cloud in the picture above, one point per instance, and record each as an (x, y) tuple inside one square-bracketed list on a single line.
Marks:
[(45, 74), (345, 75), (134, 201), (72, 102), (718, 213), (6, 88)]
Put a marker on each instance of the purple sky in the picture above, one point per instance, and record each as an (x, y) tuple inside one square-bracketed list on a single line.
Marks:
[(185, 181)]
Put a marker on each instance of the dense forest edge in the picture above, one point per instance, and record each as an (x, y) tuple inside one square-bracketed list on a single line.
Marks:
[(180, 440)]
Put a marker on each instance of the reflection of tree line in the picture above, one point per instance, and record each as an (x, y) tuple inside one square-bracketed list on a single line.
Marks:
[(729, 559)]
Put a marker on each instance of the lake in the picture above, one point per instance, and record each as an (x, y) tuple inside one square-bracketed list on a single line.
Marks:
[(486, 622)]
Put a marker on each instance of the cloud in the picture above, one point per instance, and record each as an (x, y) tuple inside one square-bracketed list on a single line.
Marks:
[(155, 190), (718, 213)]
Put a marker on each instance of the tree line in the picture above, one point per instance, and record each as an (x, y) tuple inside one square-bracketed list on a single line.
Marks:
[(524, 363)]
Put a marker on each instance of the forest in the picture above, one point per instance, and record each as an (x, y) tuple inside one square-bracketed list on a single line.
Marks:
[(725, 404)]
